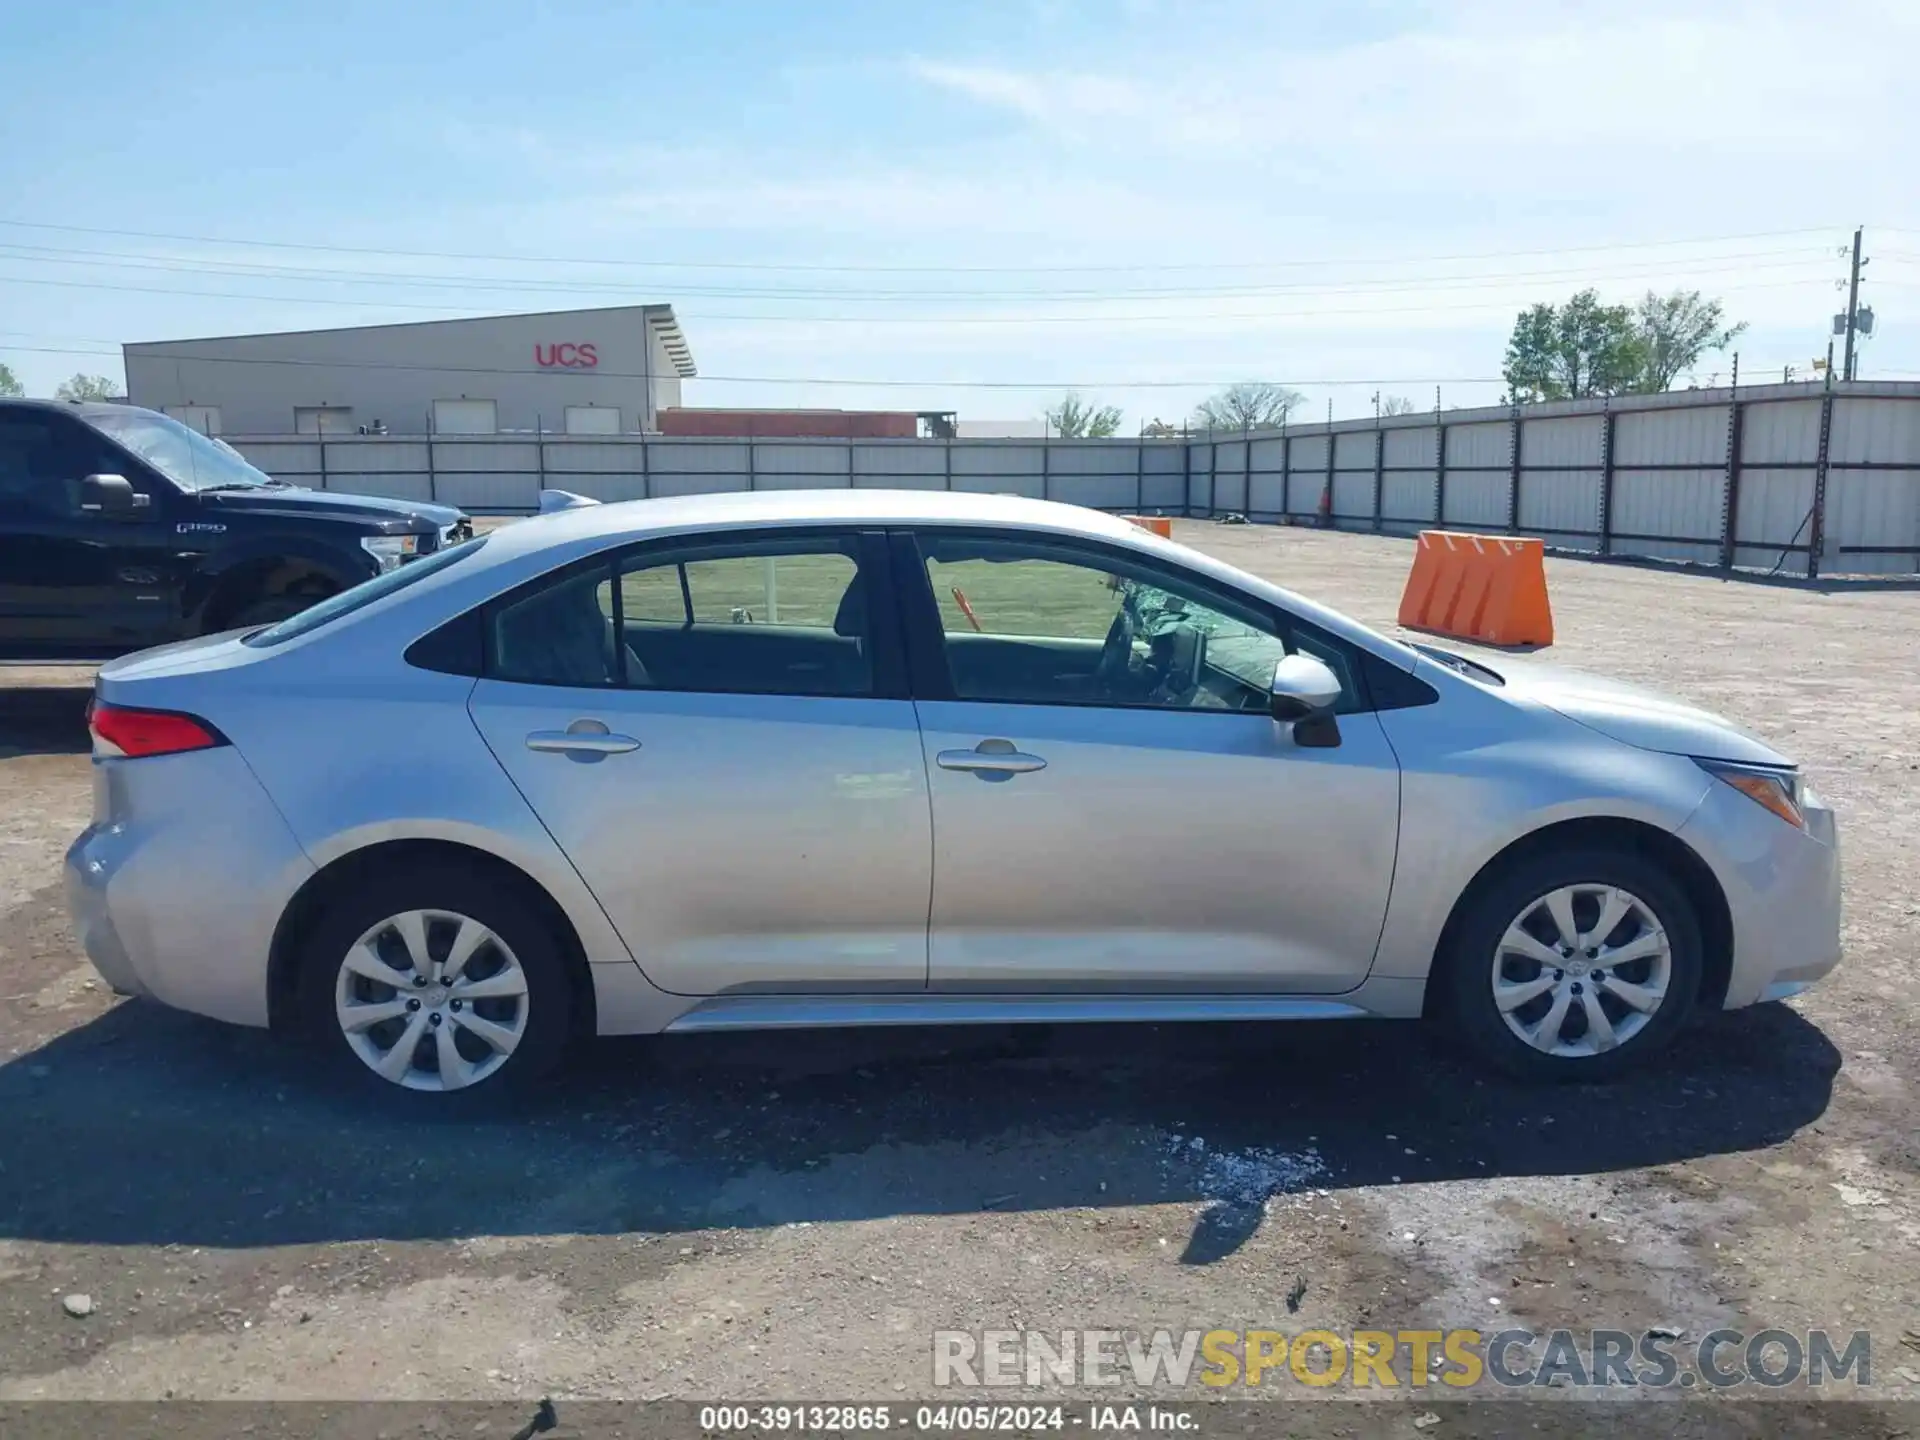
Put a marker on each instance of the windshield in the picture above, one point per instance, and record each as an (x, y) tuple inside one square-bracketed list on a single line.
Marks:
[(179, 452)]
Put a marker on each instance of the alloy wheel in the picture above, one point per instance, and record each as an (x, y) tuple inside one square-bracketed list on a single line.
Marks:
[(1582, 970), (431, 1000)]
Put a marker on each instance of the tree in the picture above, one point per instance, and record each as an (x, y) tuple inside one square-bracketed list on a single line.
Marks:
[(1674, 332), (1075, 419), (1251, 405), (1573, 351), (1396, 405), (88, 387), (10, 386)]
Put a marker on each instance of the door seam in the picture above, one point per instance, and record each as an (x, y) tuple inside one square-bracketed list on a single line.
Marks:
[(933, 843)]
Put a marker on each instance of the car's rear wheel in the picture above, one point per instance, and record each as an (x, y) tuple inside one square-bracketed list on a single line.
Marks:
[(1574, 965), (436, 984)]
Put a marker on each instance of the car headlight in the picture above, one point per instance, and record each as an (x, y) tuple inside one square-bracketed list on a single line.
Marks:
[(389, 551), (1778, 790)]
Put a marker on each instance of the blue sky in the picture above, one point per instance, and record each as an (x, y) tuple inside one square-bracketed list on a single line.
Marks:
[(1142, 199)]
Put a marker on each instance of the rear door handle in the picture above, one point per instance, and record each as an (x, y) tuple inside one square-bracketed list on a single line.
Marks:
[(990, 760), (583, 739), (565, 742)]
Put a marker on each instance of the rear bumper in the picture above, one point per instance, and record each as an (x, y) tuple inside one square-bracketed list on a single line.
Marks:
[(86, 876), (176, 887), (1783, 890)]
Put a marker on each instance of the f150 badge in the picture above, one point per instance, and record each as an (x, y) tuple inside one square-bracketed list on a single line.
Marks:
[(199, 527)]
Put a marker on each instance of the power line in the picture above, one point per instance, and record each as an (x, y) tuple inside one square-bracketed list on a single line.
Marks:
[(769, 266), (442, 308), (1716, 265)]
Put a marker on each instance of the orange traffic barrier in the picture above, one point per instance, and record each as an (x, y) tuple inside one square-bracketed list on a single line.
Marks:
[(1158, 524), (1479, 587)]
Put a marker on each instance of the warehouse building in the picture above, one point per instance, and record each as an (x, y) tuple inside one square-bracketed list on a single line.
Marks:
[(579, 372)]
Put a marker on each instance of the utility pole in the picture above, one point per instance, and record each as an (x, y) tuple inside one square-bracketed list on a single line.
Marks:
[(1853, 305)]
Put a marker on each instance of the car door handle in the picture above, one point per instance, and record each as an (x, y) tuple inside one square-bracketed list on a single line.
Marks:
[(991, 758), (571, 741)]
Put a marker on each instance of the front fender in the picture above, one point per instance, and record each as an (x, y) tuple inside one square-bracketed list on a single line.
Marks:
[(1461, 806)]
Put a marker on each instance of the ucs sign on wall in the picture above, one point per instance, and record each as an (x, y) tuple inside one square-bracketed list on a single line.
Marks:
[(565, 356)]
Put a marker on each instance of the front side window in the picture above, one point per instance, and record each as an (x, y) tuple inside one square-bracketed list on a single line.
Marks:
[(43, 458), (1047, 623), (770, 617)]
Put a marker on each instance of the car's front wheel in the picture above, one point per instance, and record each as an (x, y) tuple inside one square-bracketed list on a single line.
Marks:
[(1574, 965), (437, 983)]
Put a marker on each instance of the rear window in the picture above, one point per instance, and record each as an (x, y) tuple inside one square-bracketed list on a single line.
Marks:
[(365, 593)]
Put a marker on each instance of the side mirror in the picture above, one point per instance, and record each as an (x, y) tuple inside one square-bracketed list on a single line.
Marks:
[(107, 495), (1302, 695), (1302, 688)]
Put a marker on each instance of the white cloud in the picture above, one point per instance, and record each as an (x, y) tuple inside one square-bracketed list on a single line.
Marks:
[(1481, 85), (1053, 97)]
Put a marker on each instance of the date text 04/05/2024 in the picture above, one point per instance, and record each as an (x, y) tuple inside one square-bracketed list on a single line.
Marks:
[(945, 1419)]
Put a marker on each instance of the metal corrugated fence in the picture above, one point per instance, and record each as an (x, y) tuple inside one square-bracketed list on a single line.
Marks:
[(1812, 479)]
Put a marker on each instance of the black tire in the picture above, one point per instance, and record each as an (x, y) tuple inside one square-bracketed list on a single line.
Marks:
[(269, 610), (551, 1004), (1467, 970)]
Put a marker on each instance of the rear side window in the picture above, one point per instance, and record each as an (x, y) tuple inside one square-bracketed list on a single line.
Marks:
[(779, 616), (804, 589), (560, 633), (360, 596)]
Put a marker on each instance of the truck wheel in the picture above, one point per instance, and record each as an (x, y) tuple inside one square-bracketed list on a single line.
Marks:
[(270, 609)]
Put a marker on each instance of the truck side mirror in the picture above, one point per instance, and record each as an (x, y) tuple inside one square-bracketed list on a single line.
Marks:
[(108, 495)]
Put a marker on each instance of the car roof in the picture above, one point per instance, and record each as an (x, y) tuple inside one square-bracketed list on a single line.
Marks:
[(733, 510)]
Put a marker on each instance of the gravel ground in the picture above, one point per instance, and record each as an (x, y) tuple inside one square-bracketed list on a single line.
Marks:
[(794, 1215)]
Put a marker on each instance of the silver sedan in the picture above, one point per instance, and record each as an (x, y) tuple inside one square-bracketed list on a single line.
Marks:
[(840, 758)]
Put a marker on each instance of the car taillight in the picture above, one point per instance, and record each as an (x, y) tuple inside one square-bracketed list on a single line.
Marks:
[(118, 730)]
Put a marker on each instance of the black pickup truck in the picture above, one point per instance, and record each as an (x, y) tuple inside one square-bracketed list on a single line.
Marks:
[(122, 528)]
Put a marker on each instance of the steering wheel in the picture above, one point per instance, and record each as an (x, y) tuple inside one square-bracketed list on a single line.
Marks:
[(1116, 652)]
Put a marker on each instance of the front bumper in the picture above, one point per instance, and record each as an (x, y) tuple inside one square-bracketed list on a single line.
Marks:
[(1783, 891), (176, 887)]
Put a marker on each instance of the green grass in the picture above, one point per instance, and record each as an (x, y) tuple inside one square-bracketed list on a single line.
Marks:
[(1024, 597), (806, 590)]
